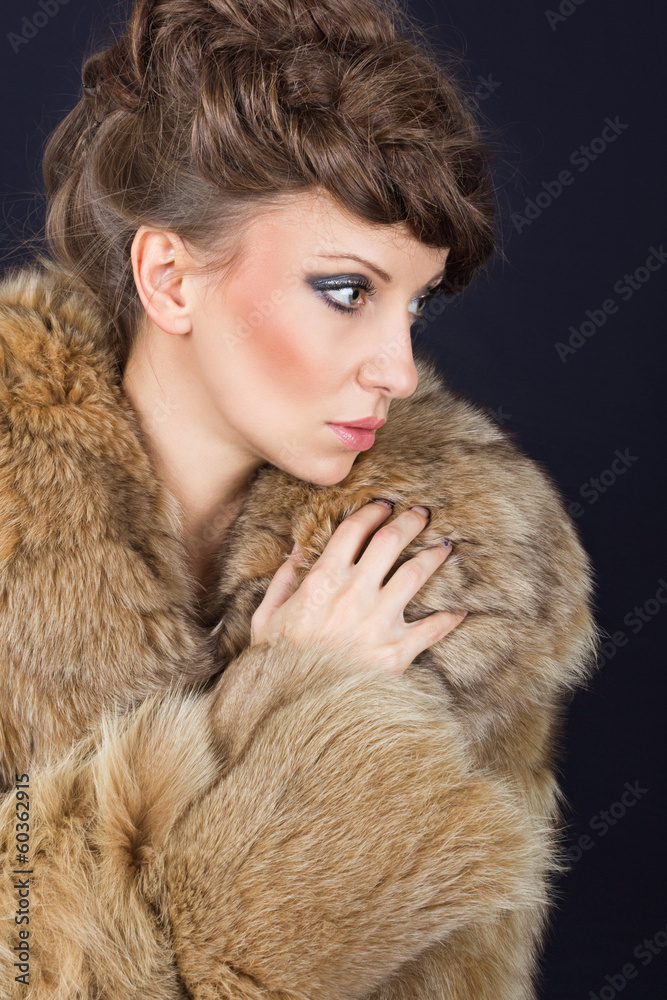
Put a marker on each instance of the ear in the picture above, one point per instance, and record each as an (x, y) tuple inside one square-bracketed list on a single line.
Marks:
[(158, 258)]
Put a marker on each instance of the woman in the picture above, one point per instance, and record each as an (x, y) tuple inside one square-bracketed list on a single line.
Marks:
[(228, 770)]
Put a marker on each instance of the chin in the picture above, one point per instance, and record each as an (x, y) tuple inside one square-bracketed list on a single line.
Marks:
[(326, 472)]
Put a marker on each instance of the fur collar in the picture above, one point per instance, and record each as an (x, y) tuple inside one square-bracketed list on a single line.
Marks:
[(93, 562)]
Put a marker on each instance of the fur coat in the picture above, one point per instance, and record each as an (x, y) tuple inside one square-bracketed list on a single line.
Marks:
[(184, 815)]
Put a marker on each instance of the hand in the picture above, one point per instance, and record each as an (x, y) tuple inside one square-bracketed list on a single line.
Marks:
[(342, 601)]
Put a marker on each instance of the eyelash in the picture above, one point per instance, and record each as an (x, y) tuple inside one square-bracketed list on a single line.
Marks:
[(337, 284)]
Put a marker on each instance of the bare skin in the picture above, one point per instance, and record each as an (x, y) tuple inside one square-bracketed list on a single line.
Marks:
[(228, 373), (357, 611)]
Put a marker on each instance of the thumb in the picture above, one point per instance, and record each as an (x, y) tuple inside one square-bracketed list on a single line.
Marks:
[(281, 587)]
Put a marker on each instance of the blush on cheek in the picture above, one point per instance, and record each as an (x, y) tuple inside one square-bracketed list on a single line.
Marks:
[(289, 360)]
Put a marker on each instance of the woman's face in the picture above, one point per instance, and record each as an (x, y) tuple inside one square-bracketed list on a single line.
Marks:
[(312, 328)]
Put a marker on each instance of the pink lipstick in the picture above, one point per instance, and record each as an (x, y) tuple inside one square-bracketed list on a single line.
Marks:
[(358, 435)]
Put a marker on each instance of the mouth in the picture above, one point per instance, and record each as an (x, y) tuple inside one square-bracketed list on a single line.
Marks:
[(366, 423), (354, 437)]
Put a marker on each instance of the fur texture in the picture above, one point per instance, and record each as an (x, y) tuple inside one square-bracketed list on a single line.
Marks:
[(218, 820)]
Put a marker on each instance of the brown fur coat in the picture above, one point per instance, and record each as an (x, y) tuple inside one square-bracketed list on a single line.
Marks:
[(209, 819)]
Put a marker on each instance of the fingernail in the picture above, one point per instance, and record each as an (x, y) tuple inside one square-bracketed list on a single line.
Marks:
[(296, 546), (422, 510), (388, 503), (445, 541)]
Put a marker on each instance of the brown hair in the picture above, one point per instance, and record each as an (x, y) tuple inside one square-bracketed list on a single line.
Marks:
[(204, 110)]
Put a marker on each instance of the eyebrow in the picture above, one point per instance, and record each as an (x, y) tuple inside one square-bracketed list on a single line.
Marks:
[(378, 270)]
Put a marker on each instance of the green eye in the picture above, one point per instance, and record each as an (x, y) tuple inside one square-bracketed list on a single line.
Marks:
[(421, 300)]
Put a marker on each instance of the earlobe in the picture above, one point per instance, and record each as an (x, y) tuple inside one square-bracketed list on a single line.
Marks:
[(156, 259)]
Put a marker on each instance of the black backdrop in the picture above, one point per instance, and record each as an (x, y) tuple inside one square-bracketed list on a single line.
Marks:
[(563, 342)]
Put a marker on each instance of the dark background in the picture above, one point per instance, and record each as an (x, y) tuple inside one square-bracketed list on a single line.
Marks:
[(544, 85)]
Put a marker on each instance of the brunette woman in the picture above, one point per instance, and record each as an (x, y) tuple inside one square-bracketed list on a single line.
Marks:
[(231, 769)]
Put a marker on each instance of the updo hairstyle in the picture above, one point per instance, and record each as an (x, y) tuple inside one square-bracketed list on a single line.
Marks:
[(204, 111)]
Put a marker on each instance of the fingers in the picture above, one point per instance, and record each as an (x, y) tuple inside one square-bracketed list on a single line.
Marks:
[(382, 548), (427, 631), (351, 535), (388, 542), (411, 576)]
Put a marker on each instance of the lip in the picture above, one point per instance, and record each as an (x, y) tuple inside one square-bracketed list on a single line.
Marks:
[(366, 423), (354, 437)]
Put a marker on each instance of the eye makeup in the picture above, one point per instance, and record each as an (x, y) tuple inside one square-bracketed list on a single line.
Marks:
[(322, 285), (338, 283)]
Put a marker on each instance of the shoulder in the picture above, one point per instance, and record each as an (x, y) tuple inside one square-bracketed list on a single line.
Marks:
[(72, 459), (68, 444), (72, 463), (52, 340)]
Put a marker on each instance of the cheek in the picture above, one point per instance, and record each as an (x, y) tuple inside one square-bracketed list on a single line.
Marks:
[(291, 359)]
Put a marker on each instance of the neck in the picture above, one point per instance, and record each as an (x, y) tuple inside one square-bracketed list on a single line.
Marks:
[(194, 455)]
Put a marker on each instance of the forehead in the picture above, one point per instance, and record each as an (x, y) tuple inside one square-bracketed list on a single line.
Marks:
[(312, 223)]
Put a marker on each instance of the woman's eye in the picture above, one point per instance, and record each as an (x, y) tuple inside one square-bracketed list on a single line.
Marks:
[(349, 296), (346, 293), (421, 301)]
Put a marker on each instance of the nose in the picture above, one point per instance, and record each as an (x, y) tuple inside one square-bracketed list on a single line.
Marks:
[(391, 369)]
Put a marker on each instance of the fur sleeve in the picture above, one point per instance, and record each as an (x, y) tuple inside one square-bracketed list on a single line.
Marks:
[(299, 831)]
